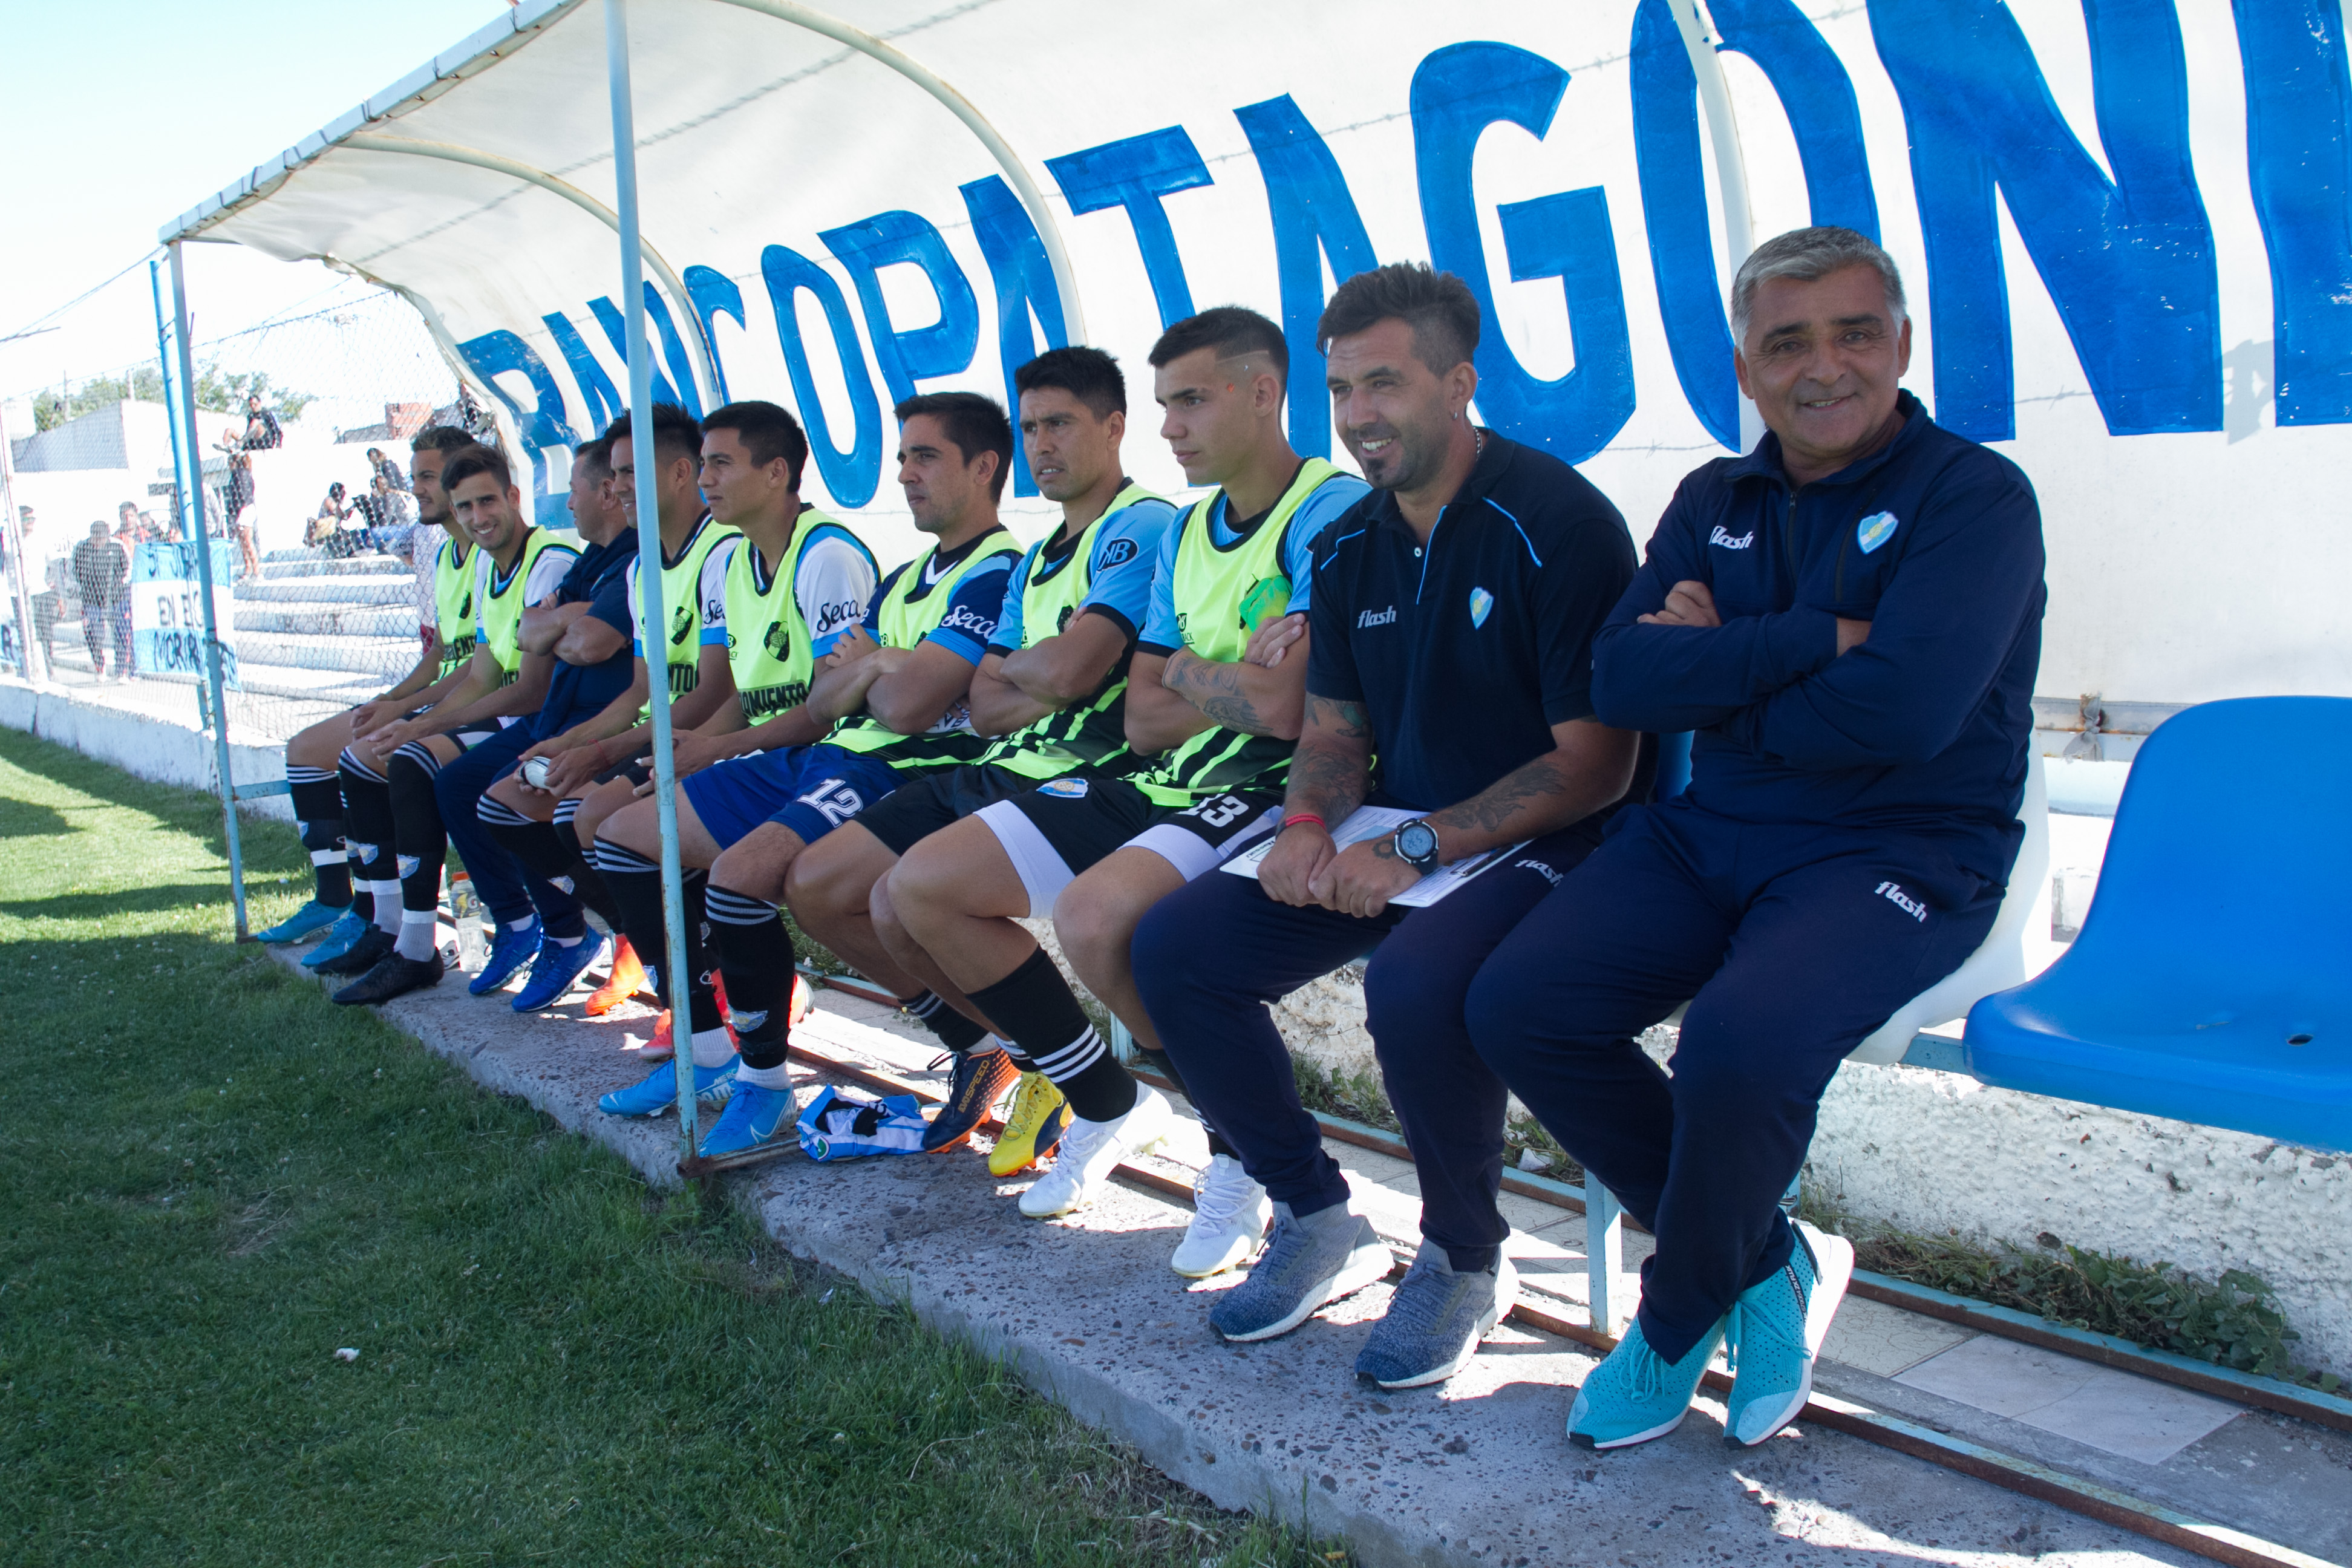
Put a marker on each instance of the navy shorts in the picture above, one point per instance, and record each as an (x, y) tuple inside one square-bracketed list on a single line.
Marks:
[(933, 798), (810, 789)]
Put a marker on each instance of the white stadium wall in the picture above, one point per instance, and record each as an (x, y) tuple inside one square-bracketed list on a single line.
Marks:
[(2127, 233)]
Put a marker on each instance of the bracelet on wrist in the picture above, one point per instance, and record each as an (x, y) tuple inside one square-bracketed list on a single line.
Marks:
[(1296, 817)]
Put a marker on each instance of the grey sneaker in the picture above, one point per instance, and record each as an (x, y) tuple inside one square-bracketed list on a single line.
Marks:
[(1435, 1320), (1308, 1264)]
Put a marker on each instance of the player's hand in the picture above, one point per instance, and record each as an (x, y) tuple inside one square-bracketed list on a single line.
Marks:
[(850, 646), (1272, 640), (1362, 879), (368, 715), (1851, 635), (1298, 856), (690, 753), (571, 773), (1688, 603), (394, 735)]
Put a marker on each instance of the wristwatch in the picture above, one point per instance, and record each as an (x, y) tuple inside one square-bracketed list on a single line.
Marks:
[(1416, 846)]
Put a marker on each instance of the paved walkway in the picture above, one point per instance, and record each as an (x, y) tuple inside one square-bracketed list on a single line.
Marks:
[(1477, 1471)]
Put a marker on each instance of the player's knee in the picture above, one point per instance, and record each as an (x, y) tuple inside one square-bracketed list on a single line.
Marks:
[(1407, 998), (1498, 1011), (1094, 920), (925, 884), (827, 878), (635, 827), (1159, 947), (759, 865)]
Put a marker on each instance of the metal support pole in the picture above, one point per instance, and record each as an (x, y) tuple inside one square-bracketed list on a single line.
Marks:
[(1604, 1253), (188, 458), (649, 563), (1700, 41), (31, 660)]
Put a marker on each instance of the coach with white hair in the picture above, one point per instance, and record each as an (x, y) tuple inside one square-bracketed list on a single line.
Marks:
[(1850, 619)]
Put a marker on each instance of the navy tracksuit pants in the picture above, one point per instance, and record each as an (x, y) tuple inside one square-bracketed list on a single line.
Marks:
[(506, 891), (1211, 958), (1792, 943)]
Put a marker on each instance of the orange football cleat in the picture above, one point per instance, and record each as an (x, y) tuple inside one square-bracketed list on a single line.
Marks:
[(628, 977)]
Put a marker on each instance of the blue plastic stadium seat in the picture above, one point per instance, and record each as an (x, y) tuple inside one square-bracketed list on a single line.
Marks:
[(2212, 980)]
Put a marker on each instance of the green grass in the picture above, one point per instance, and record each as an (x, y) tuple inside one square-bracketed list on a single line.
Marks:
[(215, 1179)]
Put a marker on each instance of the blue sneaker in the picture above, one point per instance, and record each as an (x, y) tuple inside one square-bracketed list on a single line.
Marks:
[(1309, 1262), (1435, 1320), (754, 1116), (1776, 1330), (303, 924), (556, 970), (510, 950), (349, 927), (1637, 1395), (657, 1091)]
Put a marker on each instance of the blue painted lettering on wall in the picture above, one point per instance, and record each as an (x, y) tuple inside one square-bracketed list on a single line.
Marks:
[(907, 356), (1458, 94), (1023, 277), (602, 400), (715, 295), (542, 425), (1314, 217), (851, 478), (676, 387), (1814, 90), (2300, 160), (2129, 263), (1135, 175)]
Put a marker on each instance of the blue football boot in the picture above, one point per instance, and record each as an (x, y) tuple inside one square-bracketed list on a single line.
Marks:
[(754, 1116), (657, 1091), (510, 950), (556, 969), (349, 927), (303, 924)]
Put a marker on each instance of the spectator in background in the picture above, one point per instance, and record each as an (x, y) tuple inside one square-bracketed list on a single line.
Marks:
[(387, 469), (102, 572), (384, 520), (261, 428), (327, 527), (126, 523), (238, 496), (41, 584)]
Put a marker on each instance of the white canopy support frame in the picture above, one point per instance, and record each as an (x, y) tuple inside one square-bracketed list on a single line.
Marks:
[(497, 163), (1701, 39)]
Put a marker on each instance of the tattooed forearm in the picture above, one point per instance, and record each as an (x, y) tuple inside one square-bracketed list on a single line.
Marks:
[(1333, 717), (1327, 779), (1233, 712), (1222, 691), (1514, 804)]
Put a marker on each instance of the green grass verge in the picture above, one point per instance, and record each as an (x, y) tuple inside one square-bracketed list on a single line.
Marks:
[(215, 1179)]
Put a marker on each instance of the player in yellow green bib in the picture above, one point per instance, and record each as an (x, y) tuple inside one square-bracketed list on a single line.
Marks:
[(1213, 699), (515, 563), (1052, 686), (312, 756), (887, 693)]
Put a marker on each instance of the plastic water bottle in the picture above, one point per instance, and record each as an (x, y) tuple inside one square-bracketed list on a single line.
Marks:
[(466, 914)]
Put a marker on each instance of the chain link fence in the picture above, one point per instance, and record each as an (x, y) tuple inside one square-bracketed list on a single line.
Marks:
[(321, 565)]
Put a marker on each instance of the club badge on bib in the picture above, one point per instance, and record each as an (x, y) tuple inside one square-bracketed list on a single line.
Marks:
[(1067, 789), (1875, 531)]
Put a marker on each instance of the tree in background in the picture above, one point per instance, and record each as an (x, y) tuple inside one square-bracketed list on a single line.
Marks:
[(221, 393)]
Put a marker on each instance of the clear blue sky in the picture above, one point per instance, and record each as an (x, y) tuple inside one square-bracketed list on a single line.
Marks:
[(121, 114)]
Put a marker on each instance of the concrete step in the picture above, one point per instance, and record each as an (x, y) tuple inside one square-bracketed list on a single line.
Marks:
[(283, 564), (385, 656), (335, 620), (375, 588)]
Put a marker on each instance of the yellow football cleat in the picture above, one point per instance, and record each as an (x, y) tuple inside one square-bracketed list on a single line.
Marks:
[(1039, 1115)]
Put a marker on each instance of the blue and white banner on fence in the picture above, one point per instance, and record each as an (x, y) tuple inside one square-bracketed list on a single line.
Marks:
[(167, 611)]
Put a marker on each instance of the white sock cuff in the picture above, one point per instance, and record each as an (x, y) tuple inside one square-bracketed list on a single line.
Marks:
[(712, 1048), (777, 1077)]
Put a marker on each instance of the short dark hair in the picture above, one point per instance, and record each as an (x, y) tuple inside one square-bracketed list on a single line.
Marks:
[(477, 459), (1089, 374), (441, 438), (1437, 306), (676, 433), (974, 423), (1233, 330), (596, 456), (767, 432)]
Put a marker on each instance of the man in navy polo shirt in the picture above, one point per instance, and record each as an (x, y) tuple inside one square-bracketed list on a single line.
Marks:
[(1451, 639), (1850, 619)]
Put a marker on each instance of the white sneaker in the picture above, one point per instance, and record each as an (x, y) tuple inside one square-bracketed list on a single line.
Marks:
[(1230, 1213), (1089, 1152)]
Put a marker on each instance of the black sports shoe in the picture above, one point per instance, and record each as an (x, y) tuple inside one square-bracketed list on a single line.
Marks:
[(980, 1081), (392, 976), (361, 956)]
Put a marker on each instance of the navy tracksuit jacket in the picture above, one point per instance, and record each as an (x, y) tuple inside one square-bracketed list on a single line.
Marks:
[(1842, 845)]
